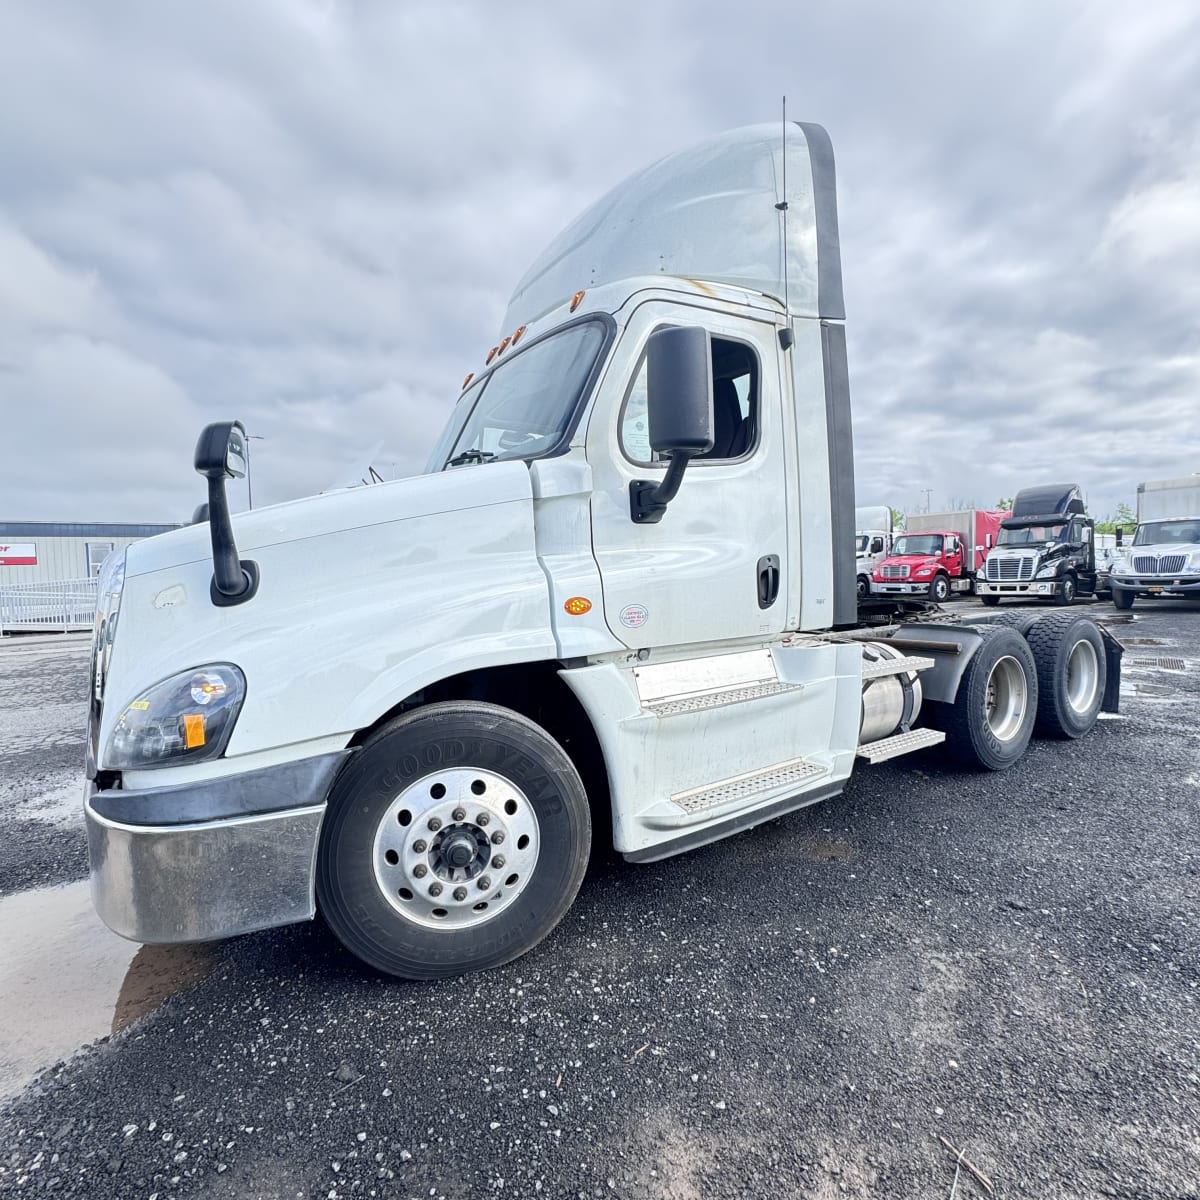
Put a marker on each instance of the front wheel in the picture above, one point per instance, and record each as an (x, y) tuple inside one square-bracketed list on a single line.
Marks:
[(864, 586), (939, 589), (1066, 593), (455, 840), (990, 601), (1121, 599)]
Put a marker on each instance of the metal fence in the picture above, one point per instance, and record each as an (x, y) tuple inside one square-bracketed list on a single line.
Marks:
[(58, 605)]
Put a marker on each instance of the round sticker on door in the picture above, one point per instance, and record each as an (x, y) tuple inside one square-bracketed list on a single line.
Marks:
[(634, 616)]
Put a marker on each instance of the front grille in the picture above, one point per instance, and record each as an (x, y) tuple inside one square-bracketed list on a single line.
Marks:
[(1169, 564), (894, 571), (1007, 568)]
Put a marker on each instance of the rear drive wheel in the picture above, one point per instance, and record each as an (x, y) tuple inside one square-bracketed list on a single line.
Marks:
[(990, 601), (991, 720), (1121, 599), (455, 840), (1066, 593), (1071, 670), (939, 589)]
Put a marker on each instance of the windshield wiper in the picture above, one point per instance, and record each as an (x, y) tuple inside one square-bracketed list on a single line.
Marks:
[(470, 456)]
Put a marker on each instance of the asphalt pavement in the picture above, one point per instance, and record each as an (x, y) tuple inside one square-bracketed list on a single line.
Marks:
[(1007, 962)]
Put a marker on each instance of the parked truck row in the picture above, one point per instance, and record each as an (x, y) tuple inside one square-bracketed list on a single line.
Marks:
[(619, 604)]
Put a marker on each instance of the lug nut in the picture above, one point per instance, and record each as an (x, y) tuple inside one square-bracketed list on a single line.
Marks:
[(435, 889), (482, 819), (434, 824), (498, 862), (484, 883), (420, 846), (420, 870), (460, 814), (497, 837), (460, 893)]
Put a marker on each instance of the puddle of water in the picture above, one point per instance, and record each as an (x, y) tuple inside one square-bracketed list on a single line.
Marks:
[(66, 980), (63, 806), (1147, 689), (1141, 641)]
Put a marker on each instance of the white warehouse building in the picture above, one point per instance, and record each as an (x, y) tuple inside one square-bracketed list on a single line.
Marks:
[(53, 551)]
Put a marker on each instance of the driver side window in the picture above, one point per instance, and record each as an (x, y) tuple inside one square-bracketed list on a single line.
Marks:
[(735, 407)]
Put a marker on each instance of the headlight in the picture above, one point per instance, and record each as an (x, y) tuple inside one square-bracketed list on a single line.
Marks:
[(109, 585), (187, 718), (1050, 569)]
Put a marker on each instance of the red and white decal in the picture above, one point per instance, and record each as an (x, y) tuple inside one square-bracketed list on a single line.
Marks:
[(18, 554)]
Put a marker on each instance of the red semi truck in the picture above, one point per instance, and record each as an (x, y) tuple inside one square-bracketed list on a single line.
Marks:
[(938, 554)]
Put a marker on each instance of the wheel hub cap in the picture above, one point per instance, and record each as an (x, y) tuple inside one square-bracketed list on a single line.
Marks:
[(452, 827)]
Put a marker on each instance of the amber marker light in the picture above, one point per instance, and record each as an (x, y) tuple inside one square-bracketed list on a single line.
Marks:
[(193, 730), (503, 345), (468, 380), (491, 354), (578, 605), (518, 335), (576, 300)]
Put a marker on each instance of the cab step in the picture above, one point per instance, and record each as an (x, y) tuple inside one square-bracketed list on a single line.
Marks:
[(879, 667), (742, 789), (900, 743), (672, 706)]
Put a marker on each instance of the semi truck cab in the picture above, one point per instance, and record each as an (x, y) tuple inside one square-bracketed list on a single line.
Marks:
[(619, 604), (1046, 549)]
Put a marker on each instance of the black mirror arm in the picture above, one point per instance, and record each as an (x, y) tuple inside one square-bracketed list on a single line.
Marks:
[(648, 500)]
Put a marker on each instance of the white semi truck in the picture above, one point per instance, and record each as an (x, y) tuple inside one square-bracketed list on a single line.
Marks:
[(621, 599), (1164, 557), (872, 543)]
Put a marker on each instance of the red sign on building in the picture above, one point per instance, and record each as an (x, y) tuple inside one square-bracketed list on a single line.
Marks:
[(18, 554)]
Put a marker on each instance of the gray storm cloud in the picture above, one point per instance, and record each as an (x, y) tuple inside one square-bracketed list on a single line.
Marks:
[(310, 215)]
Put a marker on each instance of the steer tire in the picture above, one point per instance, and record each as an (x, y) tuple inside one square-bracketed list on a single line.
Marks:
[(939, 589), (864, 586), (990, 601), (406, 809), (975, 734), (1122, 599), (1066, 594), (1072, 671)]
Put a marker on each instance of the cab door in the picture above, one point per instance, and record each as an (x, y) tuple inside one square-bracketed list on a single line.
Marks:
[(715, 568)]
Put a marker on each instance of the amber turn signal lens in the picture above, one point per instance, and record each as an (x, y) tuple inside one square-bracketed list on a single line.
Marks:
[(193, 730), (578, 605), (576, 300)]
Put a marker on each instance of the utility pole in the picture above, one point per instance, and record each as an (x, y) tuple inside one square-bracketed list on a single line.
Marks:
[(251, 437), (928, 492)]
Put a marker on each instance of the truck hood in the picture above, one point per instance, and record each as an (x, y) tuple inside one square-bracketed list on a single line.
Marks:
[(910, 560), (1159, 550), (456, 490)]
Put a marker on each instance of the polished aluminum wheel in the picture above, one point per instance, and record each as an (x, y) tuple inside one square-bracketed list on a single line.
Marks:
[(1083, 676), (1007, 698), (456, 848)]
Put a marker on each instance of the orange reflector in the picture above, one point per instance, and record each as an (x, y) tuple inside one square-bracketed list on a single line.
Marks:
[(578, 605), (468, 380), (504, 344), (576, 300), (193, 730), (518, 335), (491, 354)]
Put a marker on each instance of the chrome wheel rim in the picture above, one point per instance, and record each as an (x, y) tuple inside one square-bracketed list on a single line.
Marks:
[(1007, 697), (1083, 676), (456, 848)]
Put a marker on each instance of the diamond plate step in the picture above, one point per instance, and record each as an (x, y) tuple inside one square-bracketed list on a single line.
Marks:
[(672, 706), (879, 667), (746, 787), (900, 743)]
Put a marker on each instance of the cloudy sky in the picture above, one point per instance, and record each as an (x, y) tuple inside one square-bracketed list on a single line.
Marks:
[(310, 215)]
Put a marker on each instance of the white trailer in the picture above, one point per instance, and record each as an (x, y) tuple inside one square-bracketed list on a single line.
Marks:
[(624, 590)]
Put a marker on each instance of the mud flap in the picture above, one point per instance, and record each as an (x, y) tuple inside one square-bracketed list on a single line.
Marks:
[(1112, 659)]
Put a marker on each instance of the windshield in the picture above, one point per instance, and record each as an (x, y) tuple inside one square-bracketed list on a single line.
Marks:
[(1166, 533), (918, 543), (1031, 534), (861, 543), (523, 408)]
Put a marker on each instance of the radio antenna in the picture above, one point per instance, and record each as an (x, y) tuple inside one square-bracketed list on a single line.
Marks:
[(786, 337)]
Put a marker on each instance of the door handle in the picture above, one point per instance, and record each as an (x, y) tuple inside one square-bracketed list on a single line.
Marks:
[(768, 580)]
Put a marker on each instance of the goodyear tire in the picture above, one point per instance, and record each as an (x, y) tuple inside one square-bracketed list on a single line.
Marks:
[(939, 589), (991, 720), (455, 840), (1072, 672)]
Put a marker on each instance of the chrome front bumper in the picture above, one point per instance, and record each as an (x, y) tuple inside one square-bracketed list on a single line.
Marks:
[(1033, 587), (900, 589), (158, 879)]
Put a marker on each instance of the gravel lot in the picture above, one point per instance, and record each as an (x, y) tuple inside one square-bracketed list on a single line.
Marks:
[(1011, 961)]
